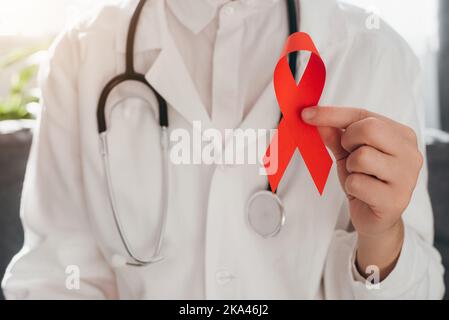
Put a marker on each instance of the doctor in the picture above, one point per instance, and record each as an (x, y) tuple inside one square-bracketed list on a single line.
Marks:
[(213, 61)]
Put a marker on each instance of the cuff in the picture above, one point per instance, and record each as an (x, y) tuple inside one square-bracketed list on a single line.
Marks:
[(396, 283)]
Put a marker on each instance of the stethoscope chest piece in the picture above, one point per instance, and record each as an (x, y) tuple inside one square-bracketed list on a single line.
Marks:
[(266, 214)]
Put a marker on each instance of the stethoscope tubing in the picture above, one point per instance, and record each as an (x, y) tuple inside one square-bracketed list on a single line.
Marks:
[(156, 257), (131, 75)]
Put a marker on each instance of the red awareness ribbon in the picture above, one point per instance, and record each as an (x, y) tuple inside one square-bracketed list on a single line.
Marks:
[(293, 132)]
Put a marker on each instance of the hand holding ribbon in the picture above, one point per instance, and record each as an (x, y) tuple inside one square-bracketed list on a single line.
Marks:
[(378, 159)]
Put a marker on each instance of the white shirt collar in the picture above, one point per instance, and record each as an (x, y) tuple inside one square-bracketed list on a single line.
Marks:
[(198, 14), (327, 25)]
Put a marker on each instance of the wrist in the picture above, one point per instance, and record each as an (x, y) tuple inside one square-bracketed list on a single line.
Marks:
[(382, 250)]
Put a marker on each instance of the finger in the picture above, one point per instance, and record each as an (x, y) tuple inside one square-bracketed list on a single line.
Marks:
[(375, 133), (332, 139), (342, 117), (334, 116), (368, 189), (370, 161)]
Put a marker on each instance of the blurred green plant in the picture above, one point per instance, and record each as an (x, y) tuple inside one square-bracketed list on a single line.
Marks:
[(14, 105)]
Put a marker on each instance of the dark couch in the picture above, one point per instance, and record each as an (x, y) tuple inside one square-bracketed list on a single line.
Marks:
[(13, 154), (438, 159), (14, 150)]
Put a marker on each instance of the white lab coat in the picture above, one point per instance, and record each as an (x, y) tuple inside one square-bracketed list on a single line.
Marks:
[(210, 251)]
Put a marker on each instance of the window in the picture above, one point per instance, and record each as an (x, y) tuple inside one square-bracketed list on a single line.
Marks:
[(40, 17), (417, 22)]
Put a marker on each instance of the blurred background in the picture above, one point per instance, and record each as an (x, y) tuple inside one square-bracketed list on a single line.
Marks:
[(27, 27)]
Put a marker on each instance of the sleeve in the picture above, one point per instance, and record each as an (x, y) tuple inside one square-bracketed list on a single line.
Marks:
[(418, 273), (60, 258)]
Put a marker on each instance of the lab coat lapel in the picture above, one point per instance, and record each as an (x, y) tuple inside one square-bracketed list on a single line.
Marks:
[(169, 76), (265, 114)]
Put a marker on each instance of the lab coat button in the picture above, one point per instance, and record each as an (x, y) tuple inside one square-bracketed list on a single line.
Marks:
[(223, 277)]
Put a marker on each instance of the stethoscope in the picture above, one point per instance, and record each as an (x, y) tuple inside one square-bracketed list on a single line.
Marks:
[(265, 211)]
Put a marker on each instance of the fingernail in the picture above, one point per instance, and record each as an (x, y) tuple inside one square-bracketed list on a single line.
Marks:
[(308, 114)]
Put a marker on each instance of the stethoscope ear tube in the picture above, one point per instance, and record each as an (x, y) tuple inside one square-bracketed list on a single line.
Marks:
[(293, 27), (130, 75)]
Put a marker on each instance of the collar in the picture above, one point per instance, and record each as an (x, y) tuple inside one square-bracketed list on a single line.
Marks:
[(322, 19), (197, 14)]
